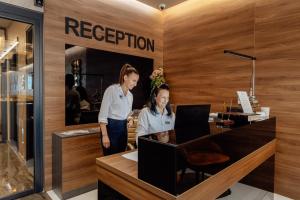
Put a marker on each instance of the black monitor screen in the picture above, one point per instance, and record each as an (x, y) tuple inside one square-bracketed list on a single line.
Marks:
[(191, 122)]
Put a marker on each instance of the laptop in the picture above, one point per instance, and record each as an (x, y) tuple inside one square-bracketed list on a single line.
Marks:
[(191, 122)]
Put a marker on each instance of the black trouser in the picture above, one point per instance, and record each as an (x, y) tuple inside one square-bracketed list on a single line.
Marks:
[(117, 134)]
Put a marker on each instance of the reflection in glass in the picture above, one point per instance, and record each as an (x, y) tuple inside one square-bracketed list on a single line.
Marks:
[(163, 137), (161, 163), (93, 71), (16, 121)]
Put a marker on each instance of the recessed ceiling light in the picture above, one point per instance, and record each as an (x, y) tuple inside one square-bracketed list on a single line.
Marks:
[(162, 6)]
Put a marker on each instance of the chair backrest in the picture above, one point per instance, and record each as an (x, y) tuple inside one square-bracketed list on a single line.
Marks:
[(191, 122)]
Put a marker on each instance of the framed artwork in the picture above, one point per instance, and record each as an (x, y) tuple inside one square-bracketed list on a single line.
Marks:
[(29, 45)]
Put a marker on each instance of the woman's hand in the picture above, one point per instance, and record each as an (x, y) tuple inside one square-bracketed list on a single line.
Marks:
[(130, 122), (105, 141)]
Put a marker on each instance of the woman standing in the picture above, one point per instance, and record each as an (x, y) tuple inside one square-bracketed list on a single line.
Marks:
[(115, 108), (158, 117)]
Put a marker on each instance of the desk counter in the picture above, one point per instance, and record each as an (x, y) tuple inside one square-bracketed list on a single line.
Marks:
[(121, 174)]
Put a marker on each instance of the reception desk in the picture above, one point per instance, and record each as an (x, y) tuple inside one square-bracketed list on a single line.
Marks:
[(251, 150), (74, 154)]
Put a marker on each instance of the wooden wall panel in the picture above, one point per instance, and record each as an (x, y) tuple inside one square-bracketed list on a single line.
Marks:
[(79, 173), (131, 16), (195, 35), (190, 43), (278, 81)]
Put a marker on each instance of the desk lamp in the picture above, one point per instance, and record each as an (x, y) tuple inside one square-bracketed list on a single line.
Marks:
[(253, 100)]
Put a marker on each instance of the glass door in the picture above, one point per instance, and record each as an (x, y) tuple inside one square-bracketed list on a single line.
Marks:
[(17, 107)]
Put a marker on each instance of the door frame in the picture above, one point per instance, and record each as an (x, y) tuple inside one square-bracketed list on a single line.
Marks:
[(36, 19)]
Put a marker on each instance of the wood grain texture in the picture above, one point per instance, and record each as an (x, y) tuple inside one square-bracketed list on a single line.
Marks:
[(195, 35), (117, 171), (79, 172), (278, 83), (74, 163), (130, 16), (211, 188)]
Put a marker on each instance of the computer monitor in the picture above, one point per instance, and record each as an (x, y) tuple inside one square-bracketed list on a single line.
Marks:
[(191, 122)]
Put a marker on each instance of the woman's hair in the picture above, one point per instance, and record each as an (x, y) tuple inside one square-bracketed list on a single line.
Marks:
[(126, 70), (154, 94), (69, 81)]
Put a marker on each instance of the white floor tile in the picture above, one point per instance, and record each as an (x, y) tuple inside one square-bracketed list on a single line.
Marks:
[(244, 192), (92, 195), (272, 196), (269, 196), (52, 195), (279, 197), (238, 192)]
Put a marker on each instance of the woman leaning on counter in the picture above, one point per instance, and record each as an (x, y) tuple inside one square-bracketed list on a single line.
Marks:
[(158, 116), (115, 108)]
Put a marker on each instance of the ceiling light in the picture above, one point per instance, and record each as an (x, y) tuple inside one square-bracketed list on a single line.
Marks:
[(8, 49)]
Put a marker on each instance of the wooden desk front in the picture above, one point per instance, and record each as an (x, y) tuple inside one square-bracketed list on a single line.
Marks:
[(121, 174)]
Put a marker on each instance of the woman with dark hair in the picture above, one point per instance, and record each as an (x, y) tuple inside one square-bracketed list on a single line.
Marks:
[(115, 109), (158, 116)]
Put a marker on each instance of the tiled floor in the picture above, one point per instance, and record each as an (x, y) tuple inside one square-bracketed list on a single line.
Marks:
[(244, 192), (238, 192), (92, 195), (41, 196), (14, 175)]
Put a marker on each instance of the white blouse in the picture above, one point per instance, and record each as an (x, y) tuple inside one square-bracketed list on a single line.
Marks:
[(149, 123), (115, 104)]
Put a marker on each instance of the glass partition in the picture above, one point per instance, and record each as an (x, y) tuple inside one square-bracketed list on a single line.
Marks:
[(16, 119)]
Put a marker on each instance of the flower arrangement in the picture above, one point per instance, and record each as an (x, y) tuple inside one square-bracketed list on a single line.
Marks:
[(157, 78)]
